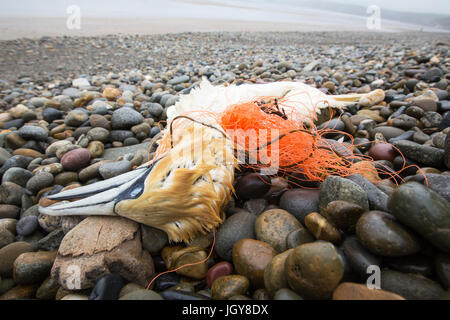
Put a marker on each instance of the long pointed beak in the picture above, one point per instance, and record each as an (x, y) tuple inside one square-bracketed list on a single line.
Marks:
[(101, 197)]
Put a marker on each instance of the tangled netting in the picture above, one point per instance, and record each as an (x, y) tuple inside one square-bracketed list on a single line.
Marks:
[(268, 132)]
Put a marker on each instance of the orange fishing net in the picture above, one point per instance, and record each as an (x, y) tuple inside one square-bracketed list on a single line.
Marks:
[(284, 142)]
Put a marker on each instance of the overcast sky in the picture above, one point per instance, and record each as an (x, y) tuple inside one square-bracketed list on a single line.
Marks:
[(52, 7), (428, 6)]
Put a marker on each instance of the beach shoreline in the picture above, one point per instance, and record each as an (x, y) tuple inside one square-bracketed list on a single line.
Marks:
[(36, 27)]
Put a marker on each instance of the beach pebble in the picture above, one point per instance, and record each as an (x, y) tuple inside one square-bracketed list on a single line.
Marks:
[(274, 273), (153, 240), (251, 186), (112, 169), (98, 134), (235, 228), (314, 270), (273, 227), (321, 228), (410, 286), (358, 256), (76, 159), (33, 133), (344, 215), (40, 181), (51, 114), (298, 237), (381, 234), (9, 253), (250, 258), (286, 294), (48, 289), (220, 269), (228, 286), (107, 288), (76, 117), (27, 225), (125, 118), (356, 291), (337, 188), (427, 155), (141, 294), (300, 202), (424, 211), (6, 237), (33, 267)]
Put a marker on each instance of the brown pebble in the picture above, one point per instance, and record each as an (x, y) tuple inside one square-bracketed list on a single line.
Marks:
[(250, 258), (321, 228), (357, 291)]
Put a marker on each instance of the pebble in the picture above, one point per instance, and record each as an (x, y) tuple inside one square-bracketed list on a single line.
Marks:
[(130, 287), (98, 134), (51, 114), (300, 202), (252, 186), (27, 225), (356, 291), (274, 273), (125, 118), (273, 227), (344, 215), (358, 256), (177, 256), (314, 270), (153, 240), (107, 288), (33, 267), (51, 241), (8, 224), (321, 228), (417, 264), (337, 188), (381, 234), (142, 294), (9, 211), (182, 295), (166, 281), (424, 211), (112, 169), (250, 258), (286, 294), (76, 159), (220, 269), (6, 237), (387, 132), (426, 155), (377, 198), (298, 237), (442, 267), (111, 93), (33, 133), (20, 292), (383, 151), (228, 286), (49, 223), (48, 289), (409, 286), (76, 118), (238, 226), (8, 255)]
